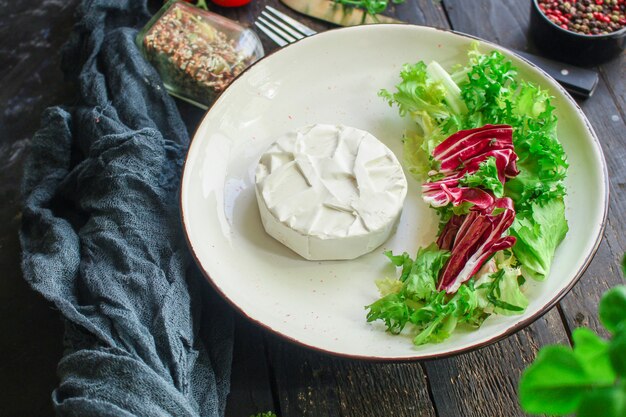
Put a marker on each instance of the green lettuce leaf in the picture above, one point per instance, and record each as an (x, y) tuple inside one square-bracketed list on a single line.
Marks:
[(415, 153), (500, 292), (486, 177), (438, 319), (422, 280), (505, 293), (432, 100), (389, 286), (539, 230), (433, 314), (424, 100), (488, 89), (542, 160), (392, 309)]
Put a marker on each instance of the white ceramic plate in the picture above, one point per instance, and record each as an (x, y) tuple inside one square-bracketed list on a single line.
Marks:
[(334, 77)]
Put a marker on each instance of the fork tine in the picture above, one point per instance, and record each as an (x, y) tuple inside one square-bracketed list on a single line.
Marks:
[(277, 39), (287, 29), (294, 23), (277, 31)]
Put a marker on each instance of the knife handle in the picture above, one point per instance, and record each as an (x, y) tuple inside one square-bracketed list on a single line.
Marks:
[(576, 80)]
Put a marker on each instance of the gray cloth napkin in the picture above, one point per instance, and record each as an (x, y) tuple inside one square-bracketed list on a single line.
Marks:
[(102, 239)]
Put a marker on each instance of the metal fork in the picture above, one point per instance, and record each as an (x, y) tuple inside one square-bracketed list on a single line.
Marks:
[(281, 28)]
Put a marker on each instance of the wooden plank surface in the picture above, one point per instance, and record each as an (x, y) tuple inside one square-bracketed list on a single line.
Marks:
[(614, 76), (420, 12), (580, 305), (251, 390), (484, 382), (314, 384), (501, 21)]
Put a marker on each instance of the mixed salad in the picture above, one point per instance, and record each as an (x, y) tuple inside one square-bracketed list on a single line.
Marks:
[(486, 151)]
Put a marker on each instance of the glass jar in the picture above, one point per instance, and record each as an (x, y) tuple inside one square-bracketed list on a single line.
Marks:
[(196, 52)]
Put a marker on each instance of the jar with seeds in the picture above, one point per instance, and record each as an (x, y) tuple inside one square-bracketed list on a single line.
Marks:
[(197, 53)]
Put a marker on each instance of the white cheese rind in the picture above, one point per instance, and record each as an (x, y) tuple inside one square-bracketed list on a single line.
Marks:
[(330, 192)]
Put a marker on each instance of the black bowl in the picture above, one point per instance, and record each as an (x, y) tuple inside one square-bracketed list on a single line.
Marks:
[(574, 48)]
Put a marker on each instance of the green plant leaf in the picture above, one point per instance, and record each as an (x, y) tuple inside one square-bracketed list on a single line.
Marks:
[(617, 351), (612, 308), (555, 383), (604, 402), (593, 355)]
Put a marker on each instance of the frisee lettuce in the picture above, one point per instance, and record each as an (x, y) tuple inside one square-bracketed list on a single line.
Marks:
[(491, 94), (486, 177), (412, 299)]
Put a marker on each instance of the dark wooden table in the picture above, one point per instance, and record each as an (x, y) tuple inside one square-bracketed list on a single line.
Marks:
[(269, 373)]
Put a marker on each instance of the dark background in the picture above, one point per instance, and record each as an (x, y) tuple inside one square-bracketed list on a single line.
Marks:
[(268, 373)]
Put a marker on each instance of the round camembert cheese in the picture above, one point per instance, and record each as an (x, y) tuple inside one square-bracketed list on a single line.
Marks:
[(330, 192)]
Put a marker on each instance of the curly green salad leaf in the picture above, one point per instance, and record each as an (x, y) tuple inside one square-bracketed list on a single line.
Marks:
[(486, 177), (485, 90), (413, 297)]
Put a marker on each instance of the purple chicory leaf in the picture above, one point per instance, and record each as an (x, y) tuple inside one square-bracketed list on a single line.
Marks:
[(479, 199), (449, 232), (462, 154), (464, 145), (479, 236)]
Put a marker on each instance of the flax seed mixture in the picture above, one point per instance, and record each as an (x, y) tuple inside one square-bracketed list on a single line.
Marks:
[(192, 56)]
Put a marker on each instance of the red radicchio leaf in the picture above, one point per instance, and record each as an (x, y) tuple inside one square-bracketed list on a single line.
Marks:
[(480, 200), (467, 144), (462, 153), (477, 238), (446, 238)]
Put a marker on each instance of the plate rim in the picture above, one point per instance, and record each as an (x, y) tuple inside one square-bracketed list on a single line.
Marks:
[(417, 357)]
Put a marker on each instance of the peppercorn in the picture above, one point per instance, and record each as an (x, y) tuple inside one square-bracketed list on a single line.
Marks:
[(582, 16)]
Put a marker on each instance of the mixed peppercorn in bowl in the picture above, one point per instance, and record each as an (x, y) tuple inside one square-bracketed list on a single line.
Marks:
[(581, 32), (587, 17)]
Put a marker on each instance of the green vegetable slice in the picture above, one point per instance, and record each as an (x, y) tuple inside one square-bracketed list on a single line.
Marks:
[(539, 229)]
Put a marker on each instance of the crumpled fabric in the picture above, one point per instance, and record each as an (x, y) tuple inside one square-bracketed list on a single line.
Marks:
[(102, 238)]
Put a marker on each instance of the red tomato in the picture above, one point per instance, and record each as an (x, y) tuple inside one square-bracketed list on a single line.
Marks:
[(230, 3)]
